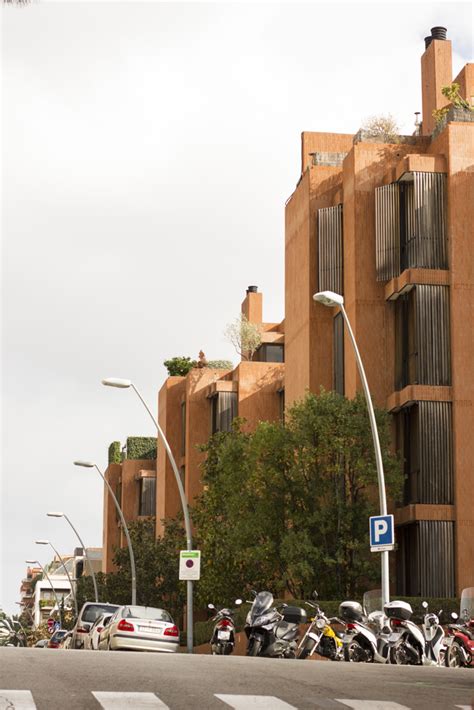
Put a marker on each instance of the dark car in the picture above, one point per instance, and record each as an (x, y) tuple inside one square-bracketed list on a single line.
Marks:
[(56, 638), (88, 614)]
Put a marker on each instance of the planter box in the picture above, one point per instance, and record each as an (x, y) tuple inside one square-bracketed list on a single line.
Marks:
[(463, 115)]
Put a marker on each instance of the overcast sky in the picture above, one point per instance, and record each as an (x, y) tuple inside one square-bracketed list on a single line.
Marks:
[(147, 153)]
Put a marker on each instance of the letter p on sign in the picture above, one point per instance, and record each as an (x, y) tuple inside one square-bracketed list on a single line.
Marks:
[(381, 533)]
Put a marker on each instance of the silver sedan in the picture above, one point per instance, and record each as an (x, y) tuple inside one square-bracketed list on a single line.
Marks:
[(140, 628)]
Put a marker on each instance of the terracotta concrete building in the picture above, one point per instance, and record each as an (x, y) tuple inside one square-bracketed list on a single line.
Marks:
[(390, 227), (207, 400)]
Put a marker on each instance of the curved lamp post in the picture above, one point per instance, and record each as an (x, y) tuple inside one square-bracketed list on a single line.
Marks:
[(90, 464), (73, 591), (37, 562), (331, 299), (91, 569), (125, 384)]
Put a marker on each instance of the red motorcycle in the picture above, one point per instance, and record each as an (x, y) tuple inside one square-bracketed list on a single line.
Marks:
[(460, 641)]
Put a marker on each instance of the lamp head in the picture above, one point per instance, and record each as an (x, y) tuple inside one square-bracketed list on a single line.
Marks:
[(85, 464), (116, 382), (41, 542), (329, 298)]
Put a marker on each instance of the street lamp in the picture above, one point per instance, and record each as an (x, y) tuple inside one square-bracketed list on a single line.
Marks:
[(91, 569), (331, 299), (73, 591), (124, 384), (37, 562), (90, 464)]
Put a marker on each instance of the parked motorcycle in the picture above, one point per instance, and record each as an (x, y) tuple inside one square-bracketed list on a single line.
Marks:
[(11, 633), (270, 632), (460, 641), (366, 638), (223, 635), (410, 645), (320, 637)]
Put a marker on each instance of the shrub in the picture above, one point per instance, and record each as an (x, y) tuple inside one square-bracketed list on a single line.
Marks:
[(141, 447)]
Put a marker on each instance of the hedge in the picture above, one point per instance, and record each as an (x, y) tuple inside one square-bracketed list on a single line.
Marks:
[(115, 453), (141, 447)]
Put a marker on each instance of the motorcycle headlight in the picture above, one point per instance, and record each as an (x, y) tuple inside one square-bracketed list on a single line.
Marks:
[(262, 620), (320, 624)]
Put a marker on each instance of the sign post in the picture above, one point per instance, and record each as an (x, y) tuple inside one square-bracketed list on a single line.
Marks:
[(51, 624), (382, 538), (190, 565)]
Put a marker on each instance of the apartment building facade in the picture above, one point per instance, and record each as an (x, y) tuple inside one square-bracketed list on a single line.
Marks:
[(390, 227)]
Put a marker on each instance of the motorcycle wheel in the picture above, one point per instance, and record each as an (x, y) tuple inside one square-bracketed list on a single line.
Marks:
[(399, 655), (254, 647), (354, 653), (305, 651), (453, 657)]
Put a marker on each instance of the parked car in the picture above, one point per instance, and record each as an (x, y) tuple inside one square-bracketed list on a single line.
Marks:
[(56, 638), (88, 614), (140, 628), (42, 643), (91, 640)]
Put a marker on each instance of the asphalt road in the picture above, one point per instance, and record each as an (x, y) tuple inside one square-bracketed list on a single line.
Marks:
[(67, 680)]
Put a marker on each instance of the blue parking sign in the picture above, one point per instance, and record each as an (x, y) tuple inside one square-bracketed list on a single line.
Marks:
[(382, 535)]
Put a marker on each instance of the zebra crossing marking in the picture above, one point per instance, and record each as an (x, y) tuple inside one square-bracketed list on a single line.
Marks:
[(128, 701), (16, 700), (254, 702), (372, 704)]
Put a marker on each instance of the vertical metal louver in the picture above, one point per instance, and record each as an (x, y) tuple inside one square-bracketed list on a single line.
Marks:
[(425, 559), (433, 341), (410, 225), (427, 242), (435, 480), (387, 232), (330, 254)]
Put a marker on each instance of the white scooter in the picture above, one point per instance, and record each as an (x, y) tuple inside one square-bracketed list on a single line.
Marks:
[(410, 645), (366, 639)]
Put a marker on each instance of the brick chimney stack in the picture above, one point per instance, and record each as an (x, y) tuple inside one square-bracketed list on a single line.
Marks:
[(436, 72), (252, 305)]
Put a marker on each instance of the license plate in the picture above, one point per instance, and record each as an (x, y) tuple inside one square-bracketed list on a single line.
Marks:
[(347, 638), (151, 629), (223, 635)]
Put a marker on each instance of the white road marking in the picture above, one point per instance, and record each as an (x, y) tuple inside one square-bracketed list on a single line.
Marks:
[(254, 702), (16, 700), (129, 701), (464, 707), (372, 704)]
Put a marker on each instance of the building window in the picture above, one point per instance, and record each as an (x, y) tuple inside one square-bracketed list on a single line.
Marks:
[(281, 395), (223, 411), (422, 337), (425, 442), (182, 475), (425, 559), (410, 224), (330, 254), (270, 352), (338, 364), (147, 496), (183, 428)]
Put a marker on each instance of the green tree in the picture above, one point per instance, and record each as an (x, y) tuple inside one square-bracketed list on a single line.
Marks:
[(287, 506), (179, 365)]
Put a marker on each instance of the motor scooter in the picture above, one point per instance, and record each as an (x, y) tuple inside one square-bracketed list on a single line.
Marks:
[(273, 631), (460, 639), (223, 635), (362, 642), (410, 645)]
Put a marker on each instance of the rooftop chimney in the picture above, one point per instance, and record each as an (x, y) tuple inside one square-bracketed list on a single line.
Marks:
[(252, 289), (436, 72), (252, 305)]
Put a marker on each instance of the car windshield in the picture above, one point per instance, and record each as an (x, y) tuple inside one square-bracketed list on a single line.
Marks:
[(261, 603), (94, 610), (58, 635), (146, 612), (467, 603)]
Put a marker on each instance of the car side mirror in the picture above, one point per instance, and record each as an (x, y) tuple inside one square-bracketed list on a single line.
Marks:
[(424, 605), (87, 627), (238, 602), (211, 606)]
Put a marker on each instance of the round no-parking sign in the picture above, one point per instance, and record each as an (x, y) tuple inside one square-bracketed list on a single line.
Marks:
[(190, 564)]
